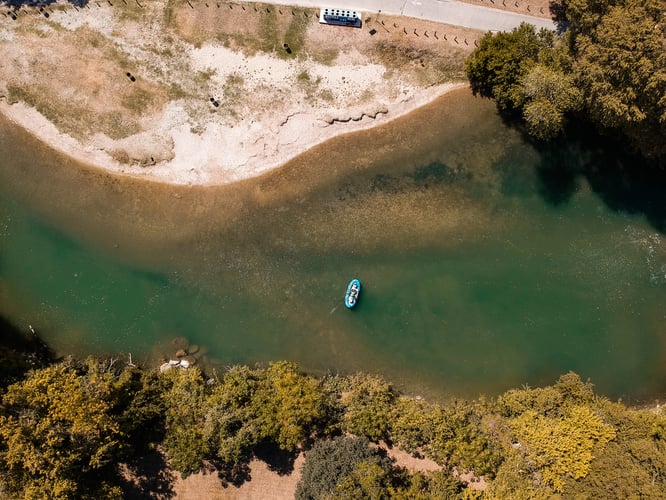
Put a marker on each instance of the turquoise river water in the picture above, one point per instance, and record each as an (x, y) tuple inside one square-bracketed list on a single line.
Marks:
[(482, 270)]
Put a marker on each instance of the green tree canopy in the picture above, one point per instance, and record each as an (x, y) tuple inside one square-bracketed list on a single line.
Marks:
[(367, 406), (608, 68), (185, 407), (57, 429), (548, 95), (290, 406), (561, 448), (65, 430), (497, 67), (226, 421), (621, 72), (335, 464)]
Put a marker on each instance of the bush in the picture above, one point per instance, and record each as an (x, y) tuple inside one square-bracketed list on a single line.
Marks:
[(368, 405), (329, 464)]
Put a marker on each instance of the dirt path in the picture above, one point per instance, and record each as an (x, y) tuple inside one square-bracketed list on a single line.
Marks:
[(485, 15)]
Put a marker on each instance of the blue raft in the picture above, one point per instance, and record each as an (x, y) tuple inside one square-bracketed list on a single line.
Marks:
[(353, 291)]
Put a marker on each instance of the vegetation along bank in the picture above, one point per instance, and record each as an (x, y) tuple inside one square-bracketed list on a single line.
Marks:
[(89, 428), (606, 67)]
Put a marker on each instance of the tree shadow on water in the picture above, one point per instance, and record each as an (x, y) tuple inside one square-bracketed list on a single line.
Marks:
[(629, 184), (624, 181), (21, 351), (558, 173)]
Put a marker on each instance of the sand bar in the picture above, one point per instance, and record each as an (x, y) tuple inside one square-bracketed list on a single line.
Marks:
[(202, 94)]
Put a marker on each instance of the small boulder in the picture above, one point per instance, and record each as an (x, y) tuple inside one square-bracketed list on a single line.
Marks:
[(191, 360)]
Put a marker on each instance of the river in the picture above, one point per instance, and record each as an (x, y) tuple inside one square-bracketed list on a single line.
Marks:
[(483, 267)]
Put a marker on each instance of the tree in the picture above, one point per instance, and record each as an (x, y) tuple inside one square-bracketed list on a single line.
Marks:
[(514, 481), (332, 463), (459, 439), (231, 426), (497, 66), (634, 463), (608, 68), (184, 401), (57, 430), (367, 480), (560, 448), (20, 353), (139, 407), (550, 401), (412, 424), (621, 71), (580, 15), (289, 405), (276, 405), (549, 95), (367, 407)]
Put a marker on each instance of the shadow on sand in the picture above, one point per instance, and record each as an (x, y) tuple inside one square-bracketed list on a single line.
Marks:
[(147, 476)]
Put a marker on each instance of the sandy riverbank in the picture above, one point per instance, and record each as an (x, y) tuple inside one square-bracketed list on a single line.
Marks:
[(173, 153), (206, 94)]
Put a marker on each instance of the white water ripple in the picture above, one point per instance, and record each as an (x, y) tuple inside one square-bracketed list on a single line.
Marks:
[(653, 245)]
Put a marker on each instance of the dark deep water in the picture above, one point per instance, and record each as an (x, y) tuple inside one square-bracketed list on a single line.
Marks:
[(485, 263)]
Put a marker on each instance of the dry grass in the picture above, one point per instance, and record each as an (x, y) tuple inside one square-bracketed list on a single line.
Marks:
[(249, 28), (94, 94)]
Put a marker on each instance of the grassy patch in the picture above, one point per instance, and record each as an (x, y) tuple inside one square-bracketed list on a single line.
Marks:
[(325, 55), (198, 129), (268, 30), (120, 155), (175, 92), (72, 118), (87, 37), (56, 26), (169, 16), (138, 100), (295, 34), (367, 95), (326, 95), (233, 87), (246, 43), (131, 12), (310, 86), (205, 76), (425, 67)]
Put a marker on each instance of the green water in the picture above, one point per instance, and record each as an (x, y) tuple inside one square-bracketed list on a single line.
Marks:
[(477, 275)]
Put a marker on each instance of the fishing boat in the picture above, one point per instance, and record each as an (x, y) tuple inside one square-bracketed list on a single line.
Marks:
[(353, 291)]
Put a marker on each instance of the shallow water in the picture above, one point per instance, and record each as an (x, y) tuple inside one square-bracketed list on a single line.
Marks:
[(477, 275)]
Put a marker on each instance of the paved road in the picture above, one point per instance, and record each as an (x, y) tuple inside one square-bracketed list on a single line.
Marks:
[(443, 11)]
